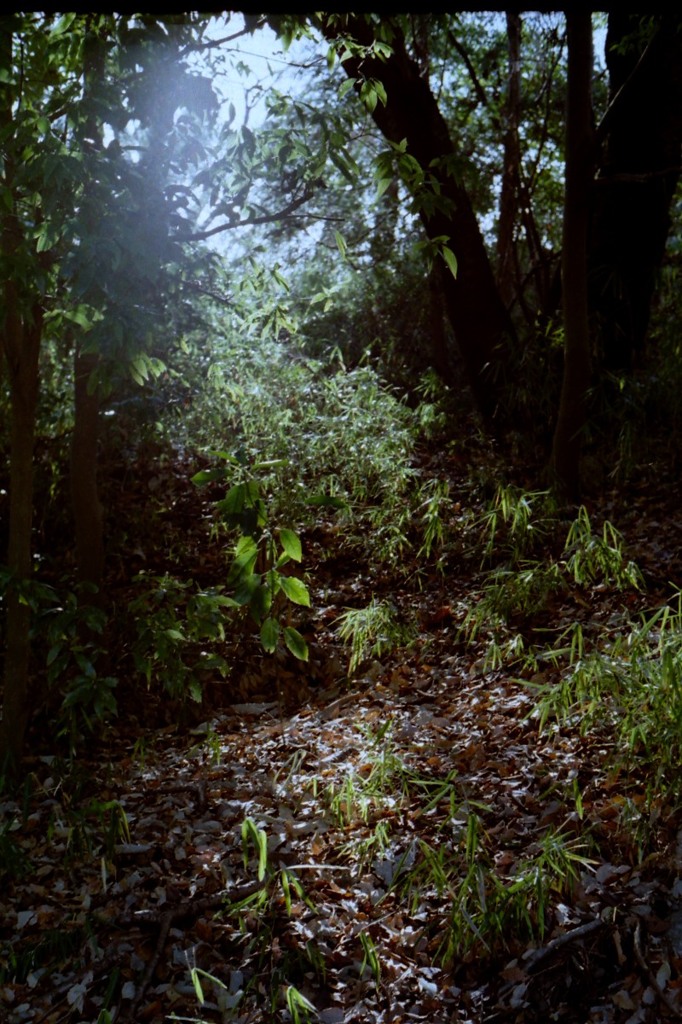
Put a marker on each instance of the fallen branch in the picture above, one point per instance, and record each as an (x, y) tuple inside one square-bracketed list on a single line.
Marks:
[(653, 981), (540, 955), (165, 919)]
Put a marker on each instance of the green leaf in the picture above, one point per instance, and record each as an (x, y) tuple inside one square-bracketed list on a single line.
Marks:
[(382, 185), (261, 602), (235, 499), (245, 555), (326, 501), (198, 990), (346, 87), (382, 49), (64, 24), (48, 235), (291, 543), (228, 456), (286, 889), (380, 90), (368, 95), (295, 590), (450, 259), (341, 243), (139, 370), (84, 316), (269, 635), (246, 589), (348, 169), (53, 653), (251, 831), (295, 643), (207, 476)]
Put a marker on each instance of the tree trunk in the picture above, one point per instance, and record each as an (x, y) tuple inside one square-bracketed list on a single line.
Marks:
[(509, 193), (87, 508), (640, 168), (21, 336), (579, 159), (21, 345), (480, 322)]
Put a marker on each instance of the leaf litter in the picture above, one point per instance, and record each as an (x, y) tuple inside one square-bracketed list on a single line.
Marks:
[(407, 846)]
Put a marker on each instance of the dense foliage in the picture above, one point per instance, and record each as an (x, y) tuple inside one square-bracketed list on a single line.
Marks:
[(341, 382)]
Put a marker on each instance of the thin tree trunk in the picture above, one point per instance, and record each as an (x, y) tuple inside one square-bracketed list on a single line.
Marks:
[(509, 193), (579, 159), (87, 508)]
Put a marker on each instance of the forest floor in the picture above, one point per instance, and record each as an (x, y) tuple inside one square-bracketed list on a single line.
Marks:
[(410, 844)]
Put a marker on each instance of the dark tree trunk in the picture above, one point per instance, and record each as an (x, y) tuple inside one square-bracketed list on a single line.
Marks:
[(87, 509), (480, 322), (640, 167), (21, 345), (21, 337), (579, 164)]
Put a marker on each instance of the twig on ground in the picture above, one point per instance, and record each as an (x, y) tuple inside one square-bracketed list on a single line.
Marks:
[(558, 942), (653, 981)]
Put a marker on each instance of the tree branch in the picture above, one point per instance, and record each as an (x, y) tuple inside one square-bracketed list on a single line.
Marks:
[(478, 88), (211, 44), (248, 222)]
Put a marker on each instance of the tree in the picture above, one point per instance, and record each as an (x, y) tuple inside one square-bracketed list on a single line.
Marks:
[(27, 113), (510, 192), (86, 238), (639, 168), (401, 103), (87, 508), (579, 172)]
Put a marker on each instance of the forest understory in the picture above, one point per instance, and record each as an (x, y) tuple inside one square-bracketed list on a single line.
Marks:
[(341, 592), (405, 827)]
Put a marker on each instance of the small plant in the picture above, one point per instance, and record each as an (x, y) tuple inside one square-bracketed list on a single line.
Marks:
[(299, 1007), (370, 957), (56, 947), (74, 629), (490, 911), (632, 688), (263, 915), (433, 401), (516, 522), (252, 834), (591, 558), (175, 622), (260, 555), (434, 504), (383, 782), (371, 632), (514, 593), (93, 829), (373, 845), (435, 867), (511, 597)]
